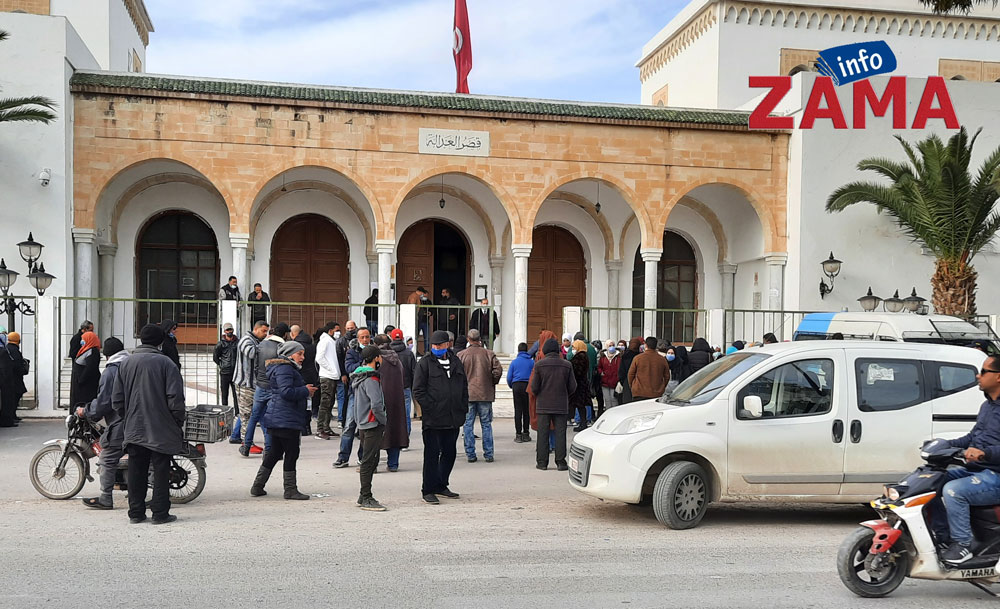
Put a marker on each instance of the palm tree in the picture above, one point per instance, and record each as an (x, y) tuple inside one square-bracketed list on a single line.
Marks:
[(940, 205), (25, 109), (950, 6)]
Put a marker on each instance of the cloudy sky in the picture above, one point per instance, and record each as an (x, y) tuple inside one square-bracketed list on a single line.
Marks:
[(563, 49)]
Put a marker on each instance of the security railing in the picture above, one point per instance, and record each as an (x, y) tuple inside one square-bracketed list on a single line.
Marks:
[(22, 319), (457, 319), (679, 326), (751, 325), (311, 316)]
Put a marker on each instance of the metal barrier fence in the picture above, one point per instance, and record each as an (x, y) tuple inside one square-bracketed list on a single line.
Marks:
[(752, 325), (679, 326), (313, 315), (458, 319), (197, 334), (20, 318)]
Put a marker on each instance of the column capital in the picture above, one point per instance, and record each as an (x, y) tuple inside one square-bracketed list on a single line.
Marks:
[(385, 246), (107, 249), (613, 265), (727, 269), (239, 240), (372, 258), (84, 235), (776, 258), (497, 262), (651, 254), (520, 250)]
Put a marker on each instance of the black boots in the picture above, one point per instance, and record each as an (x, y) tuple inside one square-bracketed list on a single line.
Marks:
[(257, 490), (291, 489)]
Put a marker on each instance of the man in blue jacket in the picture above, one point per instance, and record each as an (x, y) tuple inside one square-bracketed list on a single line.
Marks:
[(518, 374), (979, 484)]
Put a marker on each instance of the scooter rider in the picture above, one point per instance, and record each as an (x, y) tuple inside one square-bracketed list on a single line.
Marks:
[(979, 484), (114, 433)]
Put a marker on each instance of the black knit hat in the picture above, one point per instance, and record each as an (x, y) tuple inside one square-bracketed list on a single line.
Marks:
[(112, 345), (550, 346), (151, 334)]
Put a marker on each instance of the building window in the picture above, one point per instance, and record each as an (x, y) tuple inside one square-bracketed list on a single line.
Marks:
[(135, 63), (676, 289), (793, 61)]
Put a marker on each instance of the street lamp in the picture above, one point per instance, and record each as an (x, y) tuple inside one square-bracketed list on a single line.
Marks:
[(831, 268), (913, 303), (30, 251), (869, 302), (894, 304)]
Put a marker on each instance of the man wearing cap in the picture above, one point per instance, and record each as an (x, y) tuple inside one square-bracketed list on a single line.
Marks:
[(100, 408), (148, 395), (225, 358), (266, 350), (442, 390)]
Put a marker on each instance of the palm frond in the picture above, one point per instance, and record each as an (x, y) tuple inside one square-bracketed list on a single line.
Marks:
[(32, 100), (27, 115)]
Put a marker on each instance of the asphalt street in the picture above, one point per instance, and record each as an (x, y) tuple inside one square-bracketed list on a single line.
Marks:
[(517, 537)]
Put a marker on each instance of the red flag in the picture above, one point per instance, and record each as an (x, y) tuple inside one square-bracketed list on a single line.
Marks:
[(462, 47)]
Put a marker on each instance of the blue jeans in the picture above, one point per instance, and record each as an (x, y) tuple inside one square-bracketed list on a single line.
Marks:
[(393, 458), (343, 393), (408, 403), (483, 410), (236, 428), (347, 435), (372, 327), (260, 399), (967, 489)]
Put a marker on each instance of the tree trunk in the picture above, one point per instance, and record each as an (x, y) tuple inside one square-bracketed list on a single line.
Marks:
[(954, 288)]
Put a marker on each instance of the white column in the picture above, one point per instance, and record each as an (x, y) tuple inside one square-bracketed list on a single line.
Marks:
[(372, 273), (83, 272), (496, 276), (614, 329), (728, 273), (384, 250), (106, 287), (521, 254), (775, 280), (239, 243), (651, 258)]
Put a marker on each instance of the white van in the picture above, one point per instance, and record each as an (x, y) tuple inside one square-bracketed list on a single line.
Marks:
[(901, 327), (828, 421)]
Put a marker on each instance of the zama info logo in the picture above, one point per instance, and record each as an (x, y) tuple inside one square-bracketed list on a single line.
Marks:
[(854, 63)]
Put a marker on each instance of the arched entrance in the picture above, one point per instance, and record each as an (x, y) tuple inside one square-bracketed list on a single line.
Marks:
[(676, 288), (177, 258), (557, 278), (309, 263), (435, 255)]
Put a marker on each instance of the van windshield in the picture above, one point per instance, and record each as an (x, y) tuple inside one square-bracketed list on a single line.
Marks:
[(704, 385)]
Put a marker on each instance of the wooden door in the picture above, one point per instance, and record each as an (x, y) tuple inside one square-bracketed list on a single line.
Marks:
[(309, 263), (557, 277), (415, 261)]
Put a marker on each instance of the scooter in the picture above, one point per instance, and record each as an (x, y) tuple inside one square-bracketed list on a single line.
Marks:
[(875, 559), (61, 467)]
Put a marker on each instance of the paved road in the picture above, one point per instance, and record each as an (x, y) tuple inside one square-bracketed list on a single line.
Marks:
[(518, 537)]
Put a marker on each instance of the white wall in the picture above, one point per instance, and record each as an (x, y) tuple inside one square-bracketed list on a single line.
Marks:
[(690, 75), (123, 39), (873, 249), (90, 19)]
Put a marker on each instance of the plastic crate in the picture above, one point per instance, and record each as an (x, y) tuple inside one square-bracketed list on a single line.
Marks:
[(208, 423)]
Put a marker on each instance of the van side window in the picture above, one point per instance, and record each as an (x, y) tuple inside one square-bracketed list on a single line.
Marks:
[(888, 384), (951, 378), (795, 389)]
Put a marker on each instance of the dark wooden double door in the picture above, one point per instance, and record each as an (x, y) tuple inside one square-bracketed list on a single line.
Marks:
[(557, 278), (309, 264)]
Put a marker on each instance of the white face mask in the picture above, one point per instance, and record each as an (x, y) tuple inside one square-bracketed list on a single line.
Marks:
[(336, 334)]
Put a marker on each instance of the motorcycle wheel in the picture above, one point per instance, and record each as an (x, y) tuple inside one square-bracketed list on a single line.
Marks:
[(187, 480), (51, 483), (851, 560)]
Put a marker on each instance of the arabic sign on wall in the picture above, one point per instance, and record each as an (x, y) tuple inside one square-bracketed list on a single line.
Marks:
[(455, 142)]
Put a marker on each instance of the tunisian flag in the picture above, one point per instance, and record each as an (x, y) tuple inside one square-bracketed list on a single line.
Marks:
[(462, 47)]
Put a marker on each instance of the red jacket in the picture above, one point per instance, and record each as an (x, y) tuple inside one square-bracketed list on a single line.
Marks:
[(607, 366)]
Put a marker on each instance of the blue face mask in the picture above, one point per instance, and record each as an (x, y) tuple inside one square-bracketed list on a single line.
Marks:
[(612, 349), (438, 352), (670, 357)]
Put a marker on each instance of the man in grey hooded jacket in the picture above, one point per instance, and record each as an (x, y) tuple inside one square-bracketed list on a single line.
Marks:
[(111, 439), (149, 396)]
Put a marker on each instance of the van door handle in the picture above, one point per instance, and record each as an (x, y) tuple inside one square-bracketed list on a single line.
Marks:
[(855, 431), (838, 431)]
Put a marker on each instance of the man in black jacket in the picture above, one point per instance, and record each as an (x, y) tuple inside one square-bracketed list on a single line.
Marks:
[(442, 390), (169, 346), (480, 320), (552, 382), (149, 397), (344, 387), (225, 358)]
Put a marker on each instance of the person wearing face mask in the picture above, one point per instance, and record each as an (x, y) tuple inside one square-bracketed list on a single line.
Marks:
[(344, 388), (169, 346), (86, 374), (352, 361), (330, 374), (420, 298), (675, 363), (607, 367), (286, 416)]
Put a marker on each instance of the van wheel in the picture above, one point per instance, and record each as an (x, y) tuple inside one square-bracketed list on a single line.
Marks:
[(681, 495)]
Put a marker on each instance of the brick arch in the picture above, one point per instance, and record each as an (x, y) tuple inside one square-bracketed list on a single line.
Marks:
[(89, 193), (624, 190), (146, 183), (469, 200), (772, 240), (319, 185), (470, 170), (274, 171), (601, 221)]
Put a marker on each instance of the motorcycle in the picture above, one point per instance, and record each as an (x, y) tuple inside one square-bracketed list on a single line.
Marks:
[(61, 468), (875, 559)]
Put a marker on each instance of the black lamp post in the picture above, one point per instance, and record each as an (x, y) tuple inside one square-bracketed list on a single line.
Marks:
[(30, 251)]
